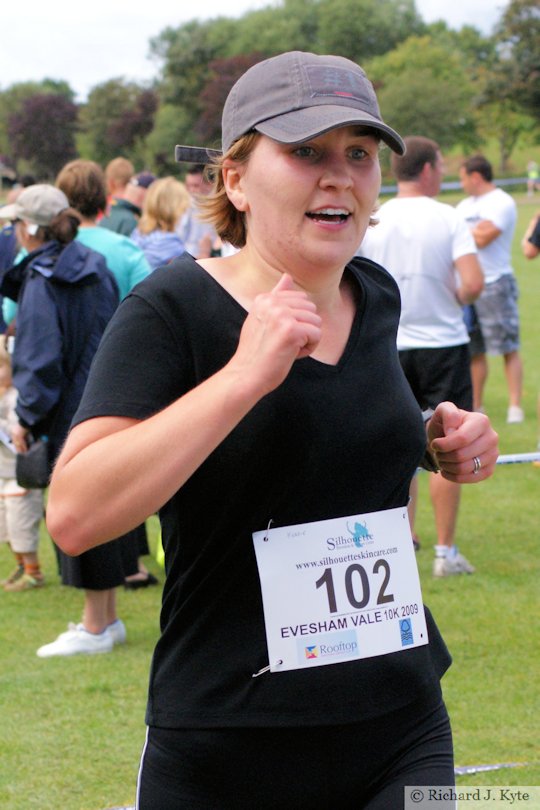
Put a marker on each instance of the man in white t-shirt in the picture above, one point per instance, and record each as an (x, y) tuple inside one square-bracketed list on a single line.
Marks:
[(429, 250), (491, 215)]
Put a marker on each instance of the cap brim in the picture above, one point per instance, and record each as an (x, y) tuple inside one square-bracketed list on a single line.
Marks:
[(302, 125), (195, 154), (11, 211)]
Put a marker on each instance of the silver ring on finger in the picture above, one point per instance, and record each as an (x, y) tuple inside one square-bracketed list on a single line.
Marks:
[(477, 465)]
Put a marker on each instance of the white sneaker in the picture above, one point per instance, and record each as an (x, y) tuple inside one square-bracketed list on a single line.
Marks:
[(453, 564), (118, 632), (515, 415), (78, 640)]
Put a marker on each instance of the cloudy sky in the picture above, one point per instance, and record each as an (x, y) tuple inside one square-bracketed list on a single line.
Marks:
[(88, 43)]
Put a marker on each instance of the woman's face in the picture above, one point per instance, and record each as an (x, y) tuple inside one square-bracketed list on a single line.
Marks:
[(308, 205), (26, 239)]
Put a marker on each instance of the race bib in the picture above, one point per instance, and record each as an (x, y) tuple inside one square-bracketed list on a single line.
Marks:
[(340, 589)]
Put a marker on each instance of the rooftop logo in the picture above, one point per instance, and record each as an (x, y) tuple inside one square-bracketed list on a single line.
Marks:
[(338, 646)]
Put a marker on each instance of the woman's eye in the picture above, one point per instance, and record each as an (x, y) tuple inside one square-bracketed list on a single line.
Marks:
[(304, 151), (358, 153)]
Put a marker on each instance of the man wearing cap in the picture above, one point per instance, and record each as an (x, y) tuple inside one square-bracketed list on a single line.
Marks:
[(126, 209)]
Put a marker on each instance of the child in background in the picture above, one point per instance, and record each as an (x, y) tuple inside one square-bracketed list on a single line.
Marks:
[(165, 203), (21, 509)]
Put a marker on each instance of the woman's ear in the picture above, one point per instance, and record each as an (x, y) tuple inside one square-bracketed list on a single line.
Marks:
[(21, 230), (233, 175)]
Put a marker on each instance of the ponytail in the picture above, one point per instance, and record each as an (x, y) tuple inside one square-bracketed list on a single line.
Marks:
[(63, 228)]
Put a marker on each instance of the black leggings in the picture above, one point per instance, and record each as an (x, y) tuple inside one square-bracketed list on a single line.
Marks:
[(362, 766)]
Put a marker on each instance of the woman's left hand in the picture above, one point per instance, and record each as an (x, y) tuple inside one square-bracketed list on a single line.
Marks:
[(463, 443)]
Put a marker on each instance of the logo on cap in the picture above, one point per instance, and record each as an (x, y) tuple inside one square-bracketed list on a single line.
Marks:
[(334, 81)]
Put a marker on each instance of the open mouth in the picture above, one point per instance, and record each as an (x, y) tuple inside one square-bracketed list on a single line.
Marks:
[(329, 215)]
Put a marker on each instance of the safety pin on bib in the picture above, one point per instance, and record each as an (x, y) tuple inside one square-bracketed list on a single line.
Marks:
[(278, 662), (267, 669)]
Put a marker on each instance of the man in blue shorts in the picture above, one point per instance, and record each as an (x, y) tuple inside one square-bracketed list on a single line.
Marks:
[(491, 215)]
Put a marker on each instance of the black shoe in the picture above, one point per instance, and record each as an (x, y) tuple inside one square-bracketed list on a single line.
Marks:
[(135, 584)]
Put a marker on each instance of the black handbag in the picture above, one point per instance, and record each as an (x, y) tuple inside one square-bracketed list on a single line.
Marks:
[(33, 468)]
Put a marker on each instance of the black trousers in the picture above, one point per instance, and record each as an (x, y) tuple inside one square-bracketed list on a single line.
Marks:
[(361, 766)]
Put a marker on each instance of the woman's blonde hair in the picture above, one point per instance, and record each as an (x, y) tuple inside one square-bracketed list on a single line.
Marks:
[(165, 202)]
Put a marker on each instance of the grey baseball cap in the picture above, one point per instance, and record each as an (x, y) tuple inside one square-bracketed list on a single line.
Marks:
[(297, 96), (37, 204), (294, 97)]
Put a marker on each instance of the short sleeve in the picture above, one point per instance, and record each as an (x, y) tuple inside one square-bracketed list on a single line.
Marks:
[(463, 242), (141, 366), (503, 212)]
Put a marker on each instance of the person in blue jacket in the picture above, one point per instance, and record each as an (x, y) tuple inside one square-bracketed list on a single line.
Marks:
[(65, 297)]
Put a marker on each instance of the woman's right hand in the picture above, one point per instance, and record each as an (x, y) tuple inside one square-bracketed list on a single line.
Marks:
[(282, 326), (19, 437)]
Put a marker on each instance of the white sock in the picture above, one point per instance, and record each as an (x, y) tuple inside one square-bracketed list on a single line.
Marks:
[(440, 551)]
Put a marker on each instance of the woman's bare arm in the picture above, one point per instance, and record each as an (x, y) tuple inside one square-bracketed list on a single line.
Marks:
[(114, 472)]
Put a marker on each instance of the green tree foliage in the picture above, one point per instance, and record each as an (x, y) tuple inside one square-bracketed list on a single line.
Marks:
[(294, 25), (361, 29), (42, 132), (117, 115), (357, 29), (517, 74), (171, 126), (424, 89), (476, 51), (187, 53), (500, 120)]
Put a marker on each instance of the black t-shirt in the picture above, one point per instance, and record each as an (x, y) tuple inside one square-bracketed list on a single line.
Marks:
[(330, 441)]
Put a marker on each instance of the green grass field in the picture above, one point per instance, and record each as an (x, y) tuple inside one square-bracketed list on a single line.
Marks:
[(71, 730)]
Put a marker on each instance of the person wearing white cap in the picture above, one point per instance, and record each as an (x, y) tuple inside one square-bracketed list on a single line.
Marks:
[(65, 297), (258, 403)]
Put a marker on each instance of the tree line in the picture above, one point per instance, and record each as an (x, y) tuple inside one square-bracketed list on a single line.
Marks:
[(460, 88)]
